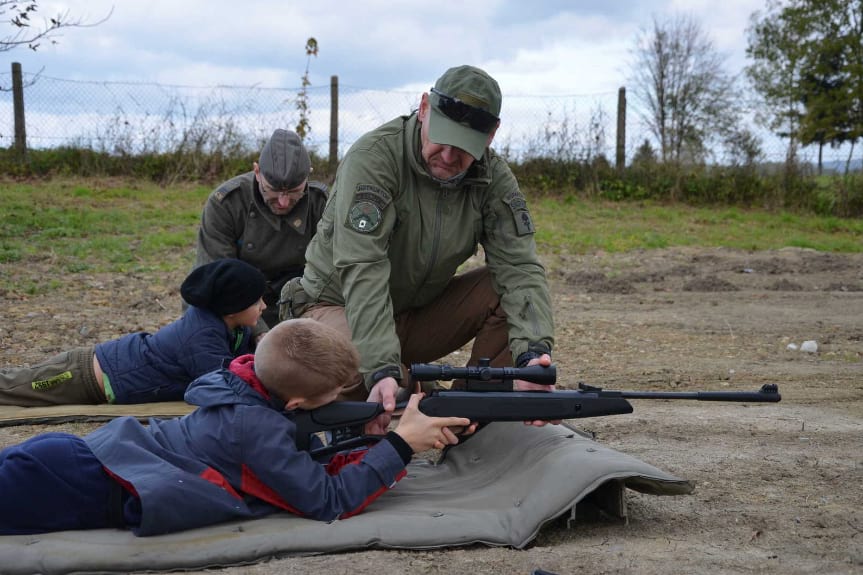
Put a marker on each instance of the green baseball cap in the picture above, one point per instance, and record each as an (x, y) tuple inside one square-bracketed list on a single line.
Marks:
[(465, 106)]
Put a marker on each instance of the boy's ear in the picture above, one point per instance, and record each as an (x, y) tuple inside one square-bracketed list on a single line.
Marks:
[(294, 403)]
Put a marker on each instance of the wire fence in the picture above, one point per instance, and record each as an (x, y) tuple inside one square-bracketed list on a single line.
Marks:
[(132, 118)]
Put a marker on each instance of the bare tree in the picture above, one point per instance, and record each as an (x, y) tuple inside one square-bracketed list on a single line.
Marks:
[(687, 98), (21, 15)]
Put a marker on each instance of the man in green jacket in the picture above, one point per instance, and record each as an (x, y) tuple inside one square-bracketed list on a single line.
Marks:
[(411, 202), (265, 217)]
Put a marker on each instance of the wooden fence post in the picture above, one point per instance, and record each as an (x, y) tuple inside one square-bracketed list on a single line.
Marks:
[(334, 125), (18, 107), (620, 158)]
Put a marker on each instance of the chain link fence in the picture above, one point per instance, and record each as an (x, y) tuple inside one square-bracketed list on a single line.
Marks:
[(132, 118)]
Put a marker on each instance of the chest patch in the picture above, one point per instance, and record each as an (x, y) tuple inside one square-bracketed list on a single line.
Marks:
[(364, 216)]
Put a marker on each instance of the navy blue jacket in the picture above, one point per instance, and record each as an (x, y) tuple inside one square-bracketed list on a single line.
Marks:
[(234, 457), (144, 368)]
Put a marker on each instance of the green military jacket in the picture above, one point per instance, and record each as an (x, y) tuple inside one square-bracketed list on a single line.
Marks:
[(391, 238), (236, 223)]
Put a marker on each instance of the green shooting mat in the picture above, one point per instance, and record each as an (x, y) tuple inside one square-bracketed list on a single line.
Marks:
[(498, 488)]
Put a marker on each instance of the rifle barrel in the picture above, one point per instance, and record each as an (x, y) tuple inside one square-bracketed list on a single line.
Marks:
[(769, 393)]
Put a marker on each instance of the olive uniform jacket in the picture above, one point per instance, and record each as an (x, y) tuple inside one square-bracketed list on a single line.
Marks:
[(237, 223), (391, 238)]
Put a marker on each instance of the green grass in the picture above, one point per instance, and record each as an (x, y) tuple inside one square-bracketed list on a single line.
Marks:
[(99, 225), (576, 226), (129, 226)]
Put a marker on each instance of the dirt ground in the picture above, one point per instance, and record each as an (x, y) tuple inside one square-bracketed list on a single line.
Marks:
[(779, 487)]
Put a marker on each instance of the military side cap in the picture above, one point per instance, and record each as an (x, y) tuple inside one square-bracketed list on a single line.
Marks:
[(284, 161)]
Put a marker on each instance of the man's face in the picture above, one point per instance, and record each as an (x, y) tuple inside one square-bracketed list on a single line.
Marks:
[(280, 202), (442, 161)]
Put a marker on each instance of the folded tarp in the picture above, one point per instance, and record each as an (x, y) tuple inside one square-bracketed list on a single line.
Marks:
[(12, 415), (498, 488)]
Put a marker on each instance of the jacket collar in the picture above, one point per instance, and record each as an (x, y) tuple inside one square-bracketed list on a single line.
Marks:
[(244, 368)]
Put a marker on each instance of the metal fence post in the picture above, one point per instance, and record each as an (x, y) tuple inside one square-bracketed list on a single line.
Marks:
[(334, 124), (18, 107)]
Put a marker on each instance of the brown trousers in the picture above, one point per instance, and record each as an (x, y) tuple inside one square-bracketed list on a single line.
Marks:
[(66, 378), (469, 308)]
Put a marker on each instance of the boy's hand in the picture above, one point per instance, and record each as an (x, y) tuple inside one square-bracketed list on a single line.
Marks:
[(422, 432)]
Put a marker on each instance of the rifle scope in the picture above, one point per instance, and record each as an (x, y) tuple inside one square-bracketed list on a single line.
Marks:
[(533, 373)]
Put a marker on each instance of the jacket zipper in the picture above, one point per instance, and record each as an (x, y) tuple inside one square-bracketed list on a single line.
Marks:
[(436, 237)]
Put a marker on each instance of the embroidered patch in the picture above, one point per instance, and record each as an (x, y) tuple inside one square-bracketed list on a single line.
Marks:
[(518, 206), (369, 193), (51, 382), (364, 216), (523, 223), (518, 203)]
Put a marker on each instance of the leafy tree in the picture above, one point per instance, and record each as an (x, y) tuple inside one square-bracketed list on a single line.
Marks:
[(808, 69), (20, 14), (833, 79), (644, 155), (686, 96), (776, 71)]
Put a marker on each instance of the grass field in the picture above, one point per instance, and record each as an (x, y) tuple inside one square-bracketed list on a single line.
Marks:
[(122, 226)]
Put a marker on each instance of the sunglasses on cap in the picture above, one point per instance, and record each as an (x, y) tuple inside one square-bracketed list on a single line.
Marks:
[(463, 113)]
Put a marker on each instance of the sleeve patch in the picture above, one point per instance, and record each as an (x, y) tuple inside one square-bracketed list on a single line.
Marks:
[(364, 216), (520, 214), (372, 194), (366, 211), (223, 192)]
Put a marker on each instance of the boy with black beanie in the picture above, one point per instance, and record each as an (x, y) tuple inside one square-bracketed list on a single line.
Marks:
[(225, 303)]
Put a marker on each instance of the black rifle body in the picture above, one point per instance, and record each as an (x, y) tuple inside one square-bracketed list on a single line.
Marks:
[(344, 421)]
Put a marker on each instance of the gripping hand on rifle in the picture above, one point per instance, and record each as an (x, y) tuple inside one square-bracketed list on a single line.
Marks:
[(520, 385), (422, 432), (383, 392)]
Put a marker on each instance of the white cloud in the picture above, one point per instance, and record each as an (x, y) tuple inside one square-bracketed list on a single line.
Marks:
[(553, 47), (548, 48)]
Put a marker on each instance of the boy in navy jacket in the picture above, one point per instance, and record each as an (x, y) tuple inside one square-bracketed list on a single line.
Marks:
[(234, 457), (225, 303)]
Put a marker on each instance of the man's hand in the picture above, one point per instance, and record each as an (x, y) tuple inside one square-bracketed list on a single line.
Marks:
[(422, 432), (521, 385), (383, 392)]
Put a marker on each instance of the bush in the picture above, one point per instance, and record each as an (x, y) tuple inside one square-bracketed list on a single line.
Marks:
[(789, 188)]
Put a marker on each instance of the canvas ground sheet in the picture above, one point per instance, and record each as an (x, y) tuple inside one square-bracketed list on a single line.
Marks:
[(498, 488)]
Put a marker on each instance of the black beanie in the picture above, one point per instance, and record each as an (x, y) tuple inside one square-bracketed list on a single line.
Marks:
[(223, 286)]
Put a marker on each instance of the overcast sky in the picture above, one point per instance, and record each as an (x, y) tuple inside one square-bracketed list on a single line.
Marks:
[(539, 47)]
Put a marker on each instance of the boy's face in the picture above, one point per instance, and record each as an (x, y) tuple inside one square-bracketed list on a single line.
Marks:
[(250, 316), (315, 402)]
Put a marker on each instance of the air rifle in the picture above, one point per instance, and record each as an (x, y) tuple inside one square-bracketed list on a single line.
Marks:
[(489, 396)]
